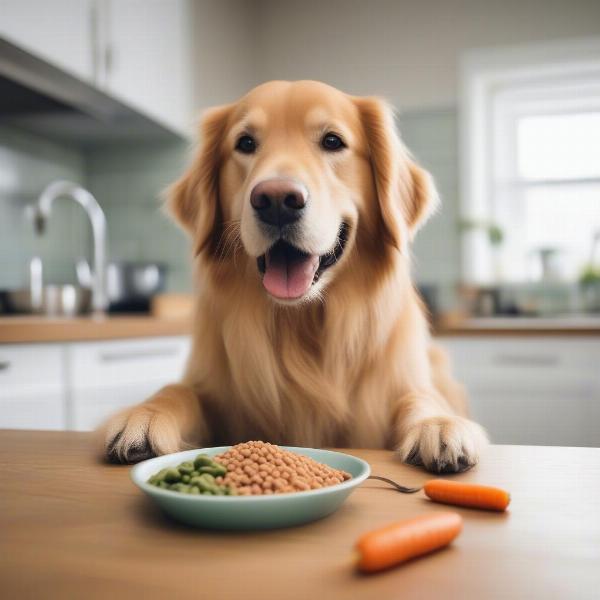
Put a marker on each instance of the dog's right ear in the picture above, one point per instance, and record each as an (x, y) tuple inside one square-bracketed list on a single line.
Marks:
[(194, 199)]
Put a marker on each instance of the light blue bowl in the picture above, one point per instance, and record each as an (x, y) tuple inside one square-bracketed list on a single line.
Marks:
[(251, 512)]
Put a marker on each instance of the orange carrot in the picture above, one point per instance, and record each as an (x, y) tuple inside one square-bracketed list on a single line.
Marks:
[(401, 541), (467, 494)]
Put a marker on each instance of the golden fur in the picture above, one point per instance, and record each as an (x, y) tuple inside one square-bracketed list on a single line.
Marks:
[(352, 363)]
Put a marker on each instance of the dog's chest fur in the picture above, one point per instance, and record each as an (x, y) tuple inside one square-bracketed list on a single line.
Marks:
[(293, 377)]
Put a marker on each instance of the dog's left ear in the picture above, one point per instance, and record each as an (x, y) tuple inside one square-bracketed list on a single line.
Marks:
[(405, 191)]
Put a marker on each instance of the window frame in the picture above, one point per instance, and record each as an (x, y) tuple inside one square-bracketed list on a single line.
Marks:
[(485, 75)]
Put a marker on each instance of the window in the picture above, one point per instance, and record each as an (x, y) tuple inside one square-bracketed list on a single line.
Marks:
[(531, 162)]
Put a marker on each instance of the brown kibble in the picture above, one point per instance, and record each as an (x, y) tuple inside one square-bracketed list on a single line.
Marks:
[(255, 468)]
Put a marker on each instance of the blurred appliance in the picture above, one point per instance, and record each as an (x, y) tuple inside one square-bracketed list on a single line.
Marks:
[(52, 300), (55, 301), (131, 285)]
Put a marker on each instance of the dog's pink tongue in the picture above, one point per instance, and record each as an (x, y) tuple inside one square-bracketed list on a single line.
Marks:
[(288, 278)]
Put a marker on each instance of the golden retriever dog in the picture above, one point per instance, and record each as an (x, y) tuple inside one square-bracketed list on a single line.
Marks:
[(301, 203)]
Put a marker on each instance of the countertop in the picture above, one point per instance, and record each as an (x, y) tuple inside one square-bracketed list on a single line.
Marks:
[(568, 325), (32, 329), (74, 527), (68, 329)]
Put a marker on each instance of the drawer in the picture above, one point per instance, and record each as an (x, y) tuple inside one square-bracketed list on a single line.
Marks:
[(522, 353), (92, 406), (97, 364), (39, 410), (30, 366), (547, 363), (538, 418)]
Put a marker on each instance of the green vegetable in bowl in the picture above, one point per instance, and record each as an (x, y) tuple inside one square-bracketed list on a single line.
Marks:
[(197, 477)]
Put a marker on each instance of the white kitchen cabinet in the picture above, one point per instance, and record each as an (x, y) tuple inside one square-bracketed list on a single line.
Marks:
[(59, 31), (77, 385), (148, 58), (527, 390), (107, 376), (32, 386), (138, 51)]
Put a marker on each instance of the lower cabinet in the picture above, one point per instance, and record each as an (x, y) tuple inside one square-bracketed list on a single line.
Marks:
[(32, 386), (77, 385), (107, 376), (523, 390)]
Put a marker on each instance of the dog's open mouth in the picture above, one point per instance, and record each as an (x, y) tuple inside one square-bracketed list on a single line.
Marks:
[(288, 272)]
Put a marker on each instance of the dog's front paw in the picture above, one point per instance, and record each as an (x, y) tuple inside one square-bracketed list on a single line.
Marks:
[(443, 444), (138, 433)]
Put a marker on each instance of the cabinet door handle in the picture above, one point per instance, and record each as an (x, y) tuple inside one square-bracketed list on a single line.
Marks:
[(137, 354), (4, 365), (532, 360)]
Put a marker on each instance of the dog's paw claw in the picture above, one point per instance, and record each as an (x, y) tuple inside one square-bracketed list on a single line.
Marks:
[(443, 444), (137, 434)]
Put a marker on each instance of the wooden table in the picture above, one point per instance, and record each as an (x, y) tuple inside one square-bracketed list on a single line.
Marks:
[(71, 527)]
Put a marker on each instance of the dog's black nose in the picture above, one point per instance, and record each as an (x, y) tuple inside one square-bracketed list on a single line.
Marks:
[(278, 201)]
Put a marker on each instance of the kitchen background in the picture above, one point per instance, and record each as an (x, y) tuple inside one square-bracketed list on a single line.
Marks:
[(500, 101)]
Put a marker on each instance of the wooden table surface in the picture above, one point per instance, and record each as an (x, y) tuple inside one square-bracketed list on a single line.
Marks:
[(71, 527)]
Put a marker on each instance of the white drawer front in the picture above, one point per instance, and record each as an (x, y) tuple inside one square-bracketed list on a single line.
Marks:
[(122, 362), (26, 367), (92, 406), (531, 391), (44, 409), (531, 365)]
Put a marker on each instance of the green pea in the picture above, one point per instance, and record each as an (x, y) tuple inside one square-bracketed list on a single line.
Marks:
[(185, 468), (172, 476), (160, 475), (194, 490), (214, 470), (194, 473), (185, 478), (203, 460), (181, 487), (163, 484), (205, 484)]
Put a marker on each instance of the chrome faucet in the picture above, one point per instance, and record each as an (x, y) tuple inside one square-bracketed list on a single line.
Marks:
[(58, 189)]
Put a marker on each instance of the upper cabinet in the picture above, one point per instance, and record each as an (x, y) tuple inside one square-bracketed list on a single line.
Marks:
[(137, 51), (147, 56), (61, 32)]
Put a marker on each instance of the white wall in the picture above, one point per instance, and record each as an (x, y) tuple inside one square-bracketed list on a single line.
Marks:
[(406, 50), (224, 47)]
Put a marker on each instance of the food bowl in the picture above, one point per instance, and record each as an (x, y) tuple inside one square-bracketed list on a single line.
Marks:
[(252, 512)]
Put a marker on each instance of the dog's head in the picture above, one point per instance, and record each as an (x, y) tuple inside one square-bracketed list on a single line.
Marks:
[(304, 175)]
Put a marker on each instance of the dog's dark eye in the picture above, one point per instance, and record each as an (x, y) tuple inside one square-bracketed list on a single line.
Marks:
[(246, 144), (332, 142)]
